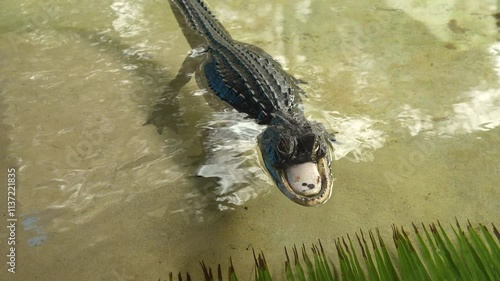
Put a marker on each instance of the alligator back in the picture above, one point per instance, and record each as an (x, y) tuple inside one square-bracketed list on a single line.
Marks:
[(242, 75)]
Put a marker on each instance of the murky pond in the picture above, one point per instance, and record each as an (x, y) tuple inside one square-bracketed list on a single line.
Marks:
[(412, 89)]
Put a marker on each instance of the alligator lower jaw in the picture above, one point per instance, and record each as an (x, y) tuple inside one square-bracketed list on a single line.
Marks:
[(320, 197)]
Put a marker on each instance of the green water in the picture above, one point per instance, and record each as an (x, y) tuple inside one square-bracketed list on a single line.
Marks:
[(412, 88)]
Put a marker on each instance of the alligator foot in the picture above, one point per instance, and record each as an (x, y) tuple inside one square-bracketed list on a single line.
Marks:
[(166, 113)]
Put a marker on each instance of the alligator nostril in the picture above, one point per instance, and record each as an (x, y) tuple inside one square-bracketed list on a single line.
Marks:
[(310, 186)]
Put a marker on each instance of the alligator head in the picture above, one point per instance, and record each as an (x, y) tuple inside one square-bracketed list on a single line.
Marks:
[(297, 154)]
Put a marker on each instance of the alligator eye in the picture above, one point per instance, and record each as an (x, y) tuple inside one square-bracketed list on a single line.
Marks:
[(282, 147), (286, 147)]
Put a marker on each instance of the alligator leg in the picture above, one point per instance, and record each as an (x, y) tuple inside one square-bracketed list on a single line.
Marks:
[(166, 111)]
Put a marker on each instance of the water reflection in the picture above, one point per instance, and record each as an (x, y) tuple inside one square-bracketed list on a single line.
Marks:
[(478, 110), (131, 20), (356, 138), (232, 157), (415, 120), (481, 112), (71, 144)]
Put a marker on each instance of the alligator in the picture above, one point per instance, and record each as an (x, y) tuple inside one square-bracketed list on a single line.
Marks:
[(296, 152)]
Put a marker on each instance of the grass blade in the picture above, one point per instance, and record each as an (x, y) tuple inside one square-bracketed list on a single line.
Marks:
[(473, 255)]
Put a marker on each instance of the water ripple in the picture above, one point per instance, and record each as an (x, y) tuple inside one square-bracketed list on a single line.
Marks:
[(131, 20), (357, 138), (233, 158)]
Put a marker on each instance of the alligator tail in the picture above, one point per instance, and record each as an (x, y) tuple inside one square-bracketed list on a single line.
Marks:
[(197, 22)]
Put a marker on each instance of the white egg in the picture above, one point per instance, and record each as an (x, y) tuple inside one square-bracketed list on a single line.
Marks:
[(304, 178)]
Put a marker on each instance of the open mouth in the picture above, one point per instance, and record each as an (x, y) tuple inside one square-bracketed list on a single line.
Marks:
[(308, 184)]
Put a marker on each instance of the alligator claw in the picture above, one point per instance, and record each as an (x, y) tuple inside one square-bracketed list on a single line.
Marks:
[(165, 114)]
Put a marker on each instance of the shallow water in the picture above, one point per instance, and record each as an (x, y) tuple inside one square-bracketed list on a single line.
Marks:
[(411, 88)]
